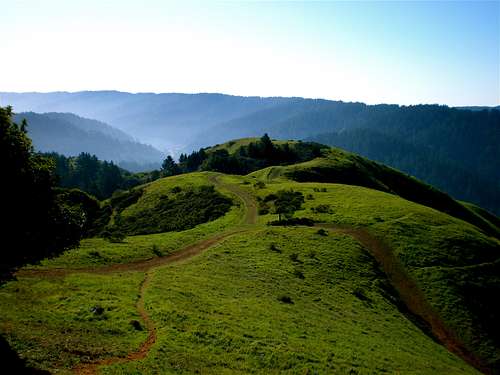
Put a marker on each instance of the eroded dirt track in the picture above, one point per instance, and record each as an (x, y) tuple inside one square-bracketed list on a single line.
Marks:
[(409, 292), (92, 368)]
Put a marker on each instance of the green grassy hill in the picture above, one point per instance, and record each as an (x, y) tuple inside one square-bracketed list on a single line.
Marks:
[(395, 277)]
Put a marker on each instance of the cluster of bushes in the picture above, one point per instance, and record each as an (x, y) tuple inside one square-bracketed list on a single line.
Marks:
[(321, 209), (181, 210), (284, 203)]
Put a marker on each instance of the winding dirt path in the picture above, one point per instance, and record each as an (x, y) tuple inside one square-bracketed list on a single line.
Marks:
[(140, 265), (409, 292), (187, 252), (92, 368), (247, 198)]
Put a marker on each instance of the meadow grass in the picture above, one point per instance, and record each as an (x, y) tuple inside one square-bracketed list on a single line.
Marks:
[(453, 262), (283, 301), (55, 323), (271, 301)]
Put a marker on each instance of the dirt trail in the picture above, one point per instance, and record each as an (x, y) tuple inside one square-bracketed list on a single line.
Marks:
[(140, 265), (409, 292), (147, 265), (92, 368), (245, 196), (189, 251)]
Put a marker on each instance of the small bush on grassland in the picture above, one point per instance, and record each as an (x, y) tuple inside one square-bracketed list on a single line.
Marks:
[(298, 273), (259, 185), (176, 189), (274, 248), (264, 208), (285, 299), (321, 209), (322, 232), (156, 251), (114, 235)]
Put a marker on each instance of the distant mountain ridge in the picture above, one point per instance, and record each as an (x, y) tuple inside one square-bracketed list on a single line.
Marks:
[(70, 135), (167, 121)]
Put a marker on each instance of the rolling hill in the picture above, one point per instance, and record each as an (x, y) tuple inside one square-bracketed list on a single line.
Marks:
[(70, 135), (454, 149), (394, 276)]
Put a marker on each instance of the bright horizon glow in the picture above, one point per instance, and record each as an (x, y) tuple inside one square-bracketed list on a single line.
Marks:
[(372, 52)]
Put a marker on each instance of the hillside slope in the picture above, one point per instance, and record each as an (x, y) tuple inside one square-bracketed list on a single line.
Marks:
[(338, 166), (70, 135), (386, 285)]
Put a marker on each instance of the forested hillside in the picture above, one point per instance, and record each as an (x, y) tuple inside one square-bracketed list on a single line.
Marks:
[(164, 120), (98, 178), (454, 150), (68, 134)]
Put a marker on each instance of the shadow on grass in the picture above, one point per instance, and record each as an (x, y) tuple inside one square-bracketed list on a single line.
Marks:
[(12, 364)]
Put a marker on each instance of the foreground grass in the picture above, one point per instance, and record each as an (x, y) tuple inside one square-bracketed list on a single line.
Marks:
[(55, 323), (226, 311)]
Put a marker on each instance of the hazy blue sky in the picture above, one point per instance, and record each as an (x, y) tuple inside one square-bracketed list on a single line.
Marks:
[(397, 52)]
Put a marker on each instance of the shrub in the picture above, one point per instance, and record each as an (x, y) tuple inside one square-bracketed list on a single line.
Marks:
[(136, 324), (322, 232), (264, 208), (259, 185), (298, 273), (156, 251), (176, 189), (321, 209), (114, 235), (285, 299), (273, 247)]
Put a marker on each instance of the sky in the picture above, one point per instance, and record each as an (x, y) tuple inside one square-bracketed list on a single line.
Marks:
[(372, 52)]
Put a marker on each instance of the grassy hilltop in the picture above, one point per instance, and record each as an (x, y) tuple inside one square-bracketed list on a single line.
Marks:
[(395, 276)]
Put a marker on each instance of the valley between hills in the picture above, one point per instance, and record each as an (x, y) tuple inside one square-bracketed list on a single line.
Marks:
[(369, 273)]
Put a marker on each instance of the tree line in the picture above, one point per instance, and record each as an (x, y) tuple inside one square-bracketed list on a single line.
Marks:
[(247, 158)]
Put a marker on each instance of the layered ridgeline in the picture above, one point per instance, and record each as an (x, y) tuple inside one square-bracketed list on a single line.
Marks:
[(452, 149), (70, 135), (185, 275), (163, 120)]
